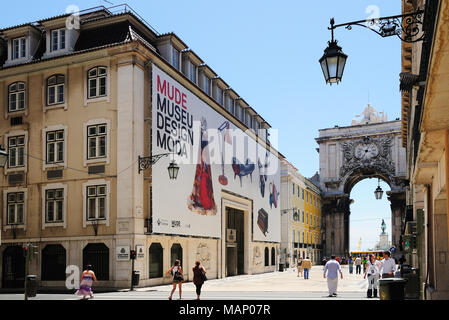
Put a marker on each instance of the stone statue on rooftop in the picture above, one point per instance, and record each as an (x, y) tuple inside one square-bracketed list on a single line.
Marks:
[(370, 115)]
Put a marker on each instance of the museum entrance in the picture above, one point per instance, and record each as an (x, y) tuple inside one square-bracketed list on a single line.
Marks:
[(235, 234)]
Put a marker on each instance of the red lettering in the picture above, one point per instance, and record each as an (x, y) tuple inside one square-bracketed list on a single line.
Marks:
[(161, 88), (184, 101)]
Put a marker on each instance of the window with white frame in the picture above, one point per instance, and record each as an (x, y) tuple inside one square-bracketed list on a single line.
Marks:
[(16, 151), (192, 72), (15, 207), (175, 58), (55, 89), (57, 39), (18, 48), (96, 82), (96, 141), (54, 205), (55, 147), (96, 202), (16, 96)]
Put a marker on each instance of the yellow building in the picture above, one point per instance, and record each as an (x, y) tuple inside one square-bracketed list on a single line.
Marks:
[(312, 221)]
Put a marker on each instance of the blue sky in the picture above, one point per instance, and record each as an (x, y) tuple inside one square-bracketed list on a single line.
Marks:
[(268, 52)]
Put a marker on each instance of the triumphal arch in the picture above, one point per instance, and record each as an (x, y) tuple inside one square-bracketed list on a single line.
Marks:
[(370, 148)]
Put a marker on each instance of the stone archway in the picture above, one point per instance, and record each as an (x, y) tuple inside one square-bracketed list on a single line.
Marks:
[(366, 149)]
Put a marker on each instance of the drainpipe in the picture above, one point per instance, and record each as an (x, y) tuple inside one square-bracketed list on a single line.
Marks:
[(446, 163)]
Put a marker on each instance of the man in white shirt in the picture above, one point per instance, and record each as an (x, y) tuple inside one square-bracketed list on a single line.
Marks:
[(332, 266), (388, 266)]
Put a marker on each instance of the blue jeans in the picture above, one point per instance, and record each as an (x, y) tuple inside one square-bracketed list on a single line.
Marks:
[(306, 273)]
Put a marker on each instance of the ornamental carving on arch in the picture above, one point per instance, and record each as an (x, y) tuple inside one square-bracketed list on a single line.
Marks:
[(370, 153)]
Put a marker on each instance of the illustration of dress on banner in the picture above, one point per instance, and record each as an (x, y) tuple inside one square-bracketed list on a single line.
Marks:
[(202, 198)]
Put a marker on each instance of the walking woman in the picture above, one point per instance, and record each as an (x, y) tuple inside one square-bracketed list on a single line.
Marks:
[(299, 266), (199, 276), (87, 278), (178, 278), (373, 267)]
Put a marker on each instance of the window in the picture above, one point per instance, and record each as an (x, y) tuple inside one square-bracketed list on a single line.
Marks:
[(18, 48), (298, 190), (307, 218), (55, 89), (96, 82), (302, 194), (249, 120), (303, 217), (54, 204), (273, 256), (175, 58), (207, 85), (307, 197), (15, 207), (96, 141), (96, 202), (267, 257), (219, 95), (293, 185), (97, 255), (192, 72), (229, 104), (16, 151), (16, 96), (53, 263), (57, 39), (55, 146), (176, 253)]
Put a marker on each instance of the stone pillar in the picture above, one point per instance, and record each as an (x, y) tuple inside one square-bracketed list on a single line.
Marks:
[(398, 206), (336, 227)]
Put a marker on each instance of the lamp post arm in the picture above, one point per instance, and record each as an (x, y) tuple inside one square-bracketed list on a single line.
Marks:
[(146, 162), (408, 27)]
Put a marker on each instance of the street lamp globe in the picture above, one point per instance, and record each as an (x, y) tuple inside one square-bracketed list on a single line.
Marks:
[(333, 63), (3, 158), (173, 169), (378, 193)]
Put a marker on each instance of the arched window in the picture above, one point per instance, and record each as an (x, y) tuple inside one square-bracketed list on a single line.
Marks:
[(156, 260), (55, 89), (175, 253), (96, 82), (97, 255), (53, 263), (267, 257), (16, 96), (273, 256)]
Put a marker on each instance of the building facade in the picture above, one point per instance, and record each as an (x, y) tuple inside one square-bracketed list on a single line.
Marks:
[(300, 216), (83, 97), (425, 134)]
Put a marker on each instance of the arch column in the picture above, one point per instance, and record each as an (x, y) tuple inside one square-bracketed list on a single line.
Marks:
[(398, 207), (336, 225)]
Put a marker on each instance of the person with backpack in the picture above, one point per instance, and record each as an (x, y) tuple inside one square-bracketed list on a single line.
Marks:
[(178, 278), (199, 276)]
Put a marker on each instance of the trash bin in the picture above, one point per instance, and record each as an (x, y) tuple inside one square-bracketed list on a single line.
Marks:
[(412, 287), (281, 267), (392, 288), (31, 285), (136, 277)]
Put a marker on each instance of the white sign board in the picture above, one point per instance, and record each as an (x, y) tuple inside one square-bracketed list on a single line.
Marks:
[(122, 253), (213, 156), (140, 252)]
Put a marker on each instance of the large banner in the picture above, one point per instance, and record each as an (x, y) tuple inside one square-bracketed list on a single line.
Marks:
[(213, 156)]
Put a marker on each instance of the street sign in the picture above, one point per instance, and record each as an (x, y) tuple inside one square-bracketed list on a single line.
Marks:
[(393, 249)]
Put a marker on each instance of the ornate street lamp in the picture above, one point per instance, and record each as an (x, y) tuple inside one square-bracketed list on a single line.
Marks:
[(3, 157), (378, 192), (333, 60), (407, 27), (146, 162)]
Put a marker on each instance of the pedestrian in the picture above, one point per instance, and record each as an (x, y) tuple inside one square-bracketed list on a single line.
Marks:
[(299, 266), (358, 265), (364, 261), (199, 276), (178, 278), (338, 259), (373, 273), (87, 278), (307, 265), (332, 267), (351, 265), (402, 260), (388, 265)]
